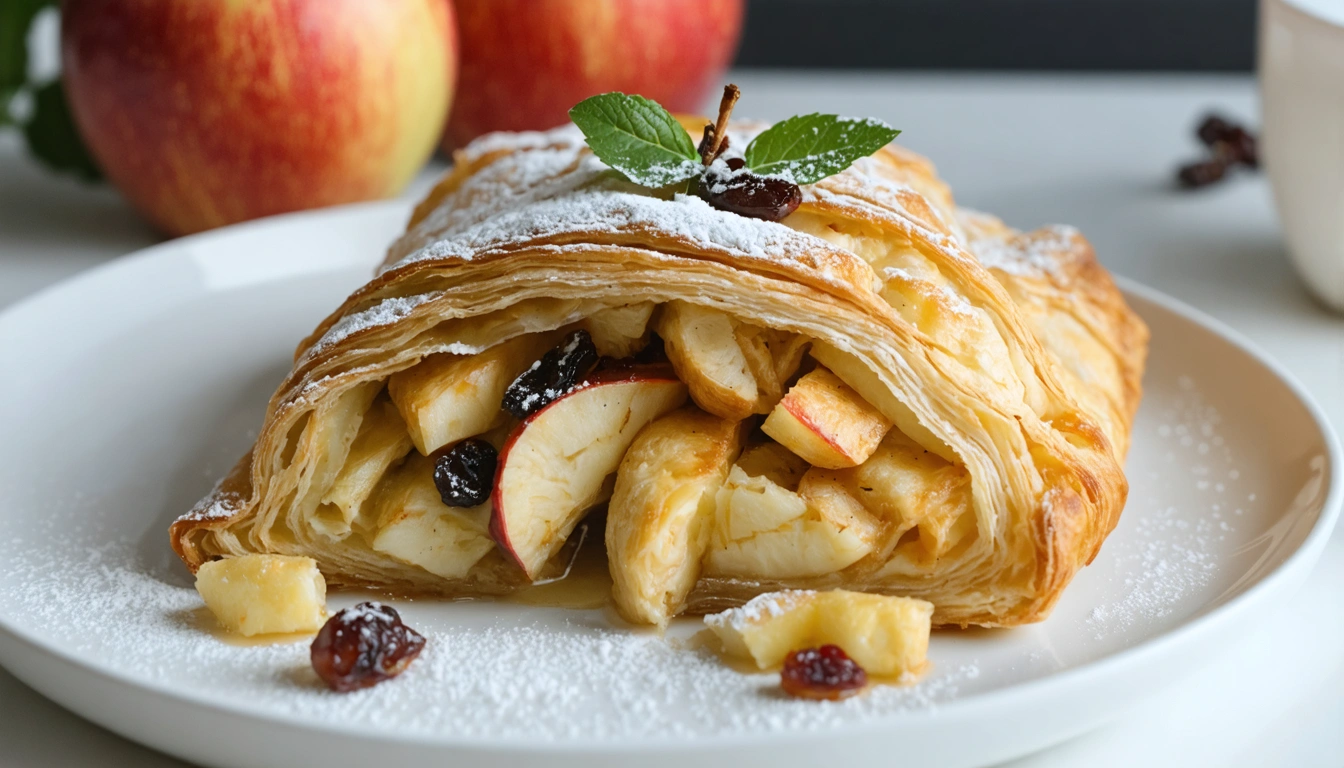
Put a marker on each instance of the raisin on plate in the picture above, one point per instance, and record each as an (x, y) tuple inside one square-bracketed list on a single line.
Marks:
[(362, 646), (822, 673)]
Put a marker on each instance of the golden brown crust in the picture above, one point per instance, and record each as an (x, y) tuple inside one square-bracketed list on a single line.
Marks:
[(1026, 373)]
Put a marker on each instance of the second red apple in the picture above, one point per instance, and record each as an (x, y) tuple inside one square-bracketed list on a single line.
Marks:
[(526, 62)]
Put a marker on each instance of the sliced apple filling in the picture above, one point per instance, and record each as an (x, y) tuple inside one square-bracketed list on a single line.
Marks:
[(826, 422), (662, 510), (382, 441), (447, 398), (620, 332), (554, 467), (732, 369), (764, 530), (925, 497), (837, 479), (416, 527)]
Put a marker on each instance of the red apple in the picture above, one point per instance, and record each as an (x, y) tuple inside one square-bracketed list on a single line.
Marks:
[(555, 465), (210, 112), (526, 62)]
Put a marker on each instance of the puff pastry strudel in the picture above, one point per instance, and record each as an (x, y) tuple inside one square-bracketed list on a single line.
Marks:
[(881, 392)]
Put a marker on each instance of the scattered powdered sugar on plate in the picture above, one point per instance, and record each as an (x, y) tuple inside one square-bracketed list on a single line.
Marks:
[(504, 673), (1170, 553)]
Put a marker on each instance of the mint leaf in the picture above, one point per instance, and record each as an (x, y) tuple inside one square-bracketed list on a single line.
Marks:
[(637, 137), (7, 106), (808, 148), (52, 136), (16, 16)]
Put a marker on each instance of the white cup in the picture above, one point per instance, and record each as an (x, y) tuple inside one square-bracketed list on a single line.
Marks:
[(1301, 64)]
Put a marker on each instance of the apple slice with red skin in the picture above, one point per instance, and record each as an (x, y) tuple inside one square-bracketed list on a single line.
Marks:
[(554, 466), (826, 423)]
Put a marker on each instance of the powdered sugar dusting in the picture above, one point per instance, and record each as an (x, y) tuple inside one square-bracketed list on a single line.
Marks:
[(557, 190), (609, 212), (567, 135), (385, 312), (1033, 254), (759, 609), (219, 504)]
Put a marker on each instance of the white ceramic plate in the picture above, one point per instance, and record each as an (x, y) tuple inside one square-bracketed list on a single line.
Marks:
[(128, 391)]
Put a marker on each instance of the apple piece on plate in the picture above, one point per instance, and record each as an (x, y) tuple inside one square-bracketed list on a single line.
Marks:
[(703, 349), (824, 421), (417, 528), (620, 332), (264, 594), (382, 440), (555, 464), (886, 635), (765, 531), (662, 510), (866, 383), (446, 398)]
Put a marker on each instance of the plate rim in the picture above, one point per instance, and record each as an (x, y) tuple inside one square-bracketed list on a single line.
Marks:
[(1050, 686)]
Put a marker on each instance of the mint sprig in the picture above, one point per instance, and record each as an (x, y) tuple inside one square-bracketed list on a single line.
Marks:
[(807, 148), (637, 137)]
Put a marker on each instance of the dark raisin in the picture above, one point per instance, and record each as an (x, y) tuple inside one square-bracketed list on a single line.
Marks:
[(736, 163), (1213, 129), (746, 194), (1202, 174), (1230, 142), (362, 646), (1238, 146), (653, 352), (465, 473), (822, 673), (553, 376)]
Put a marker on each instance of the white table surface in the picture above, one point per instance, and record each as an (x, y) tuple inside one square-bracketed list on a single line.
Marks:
[(1093, 151)]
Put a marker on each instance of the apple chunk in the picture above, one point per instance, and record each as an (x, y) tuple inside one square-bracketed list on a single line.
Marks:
[(703, 349), (825, 422), (765, 531), (446, 398), (886, 635), (554, 466), (264, 594), (662, 511), (864, 381), (620, 331), (772, 357), (416, 527), (382, 441)]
